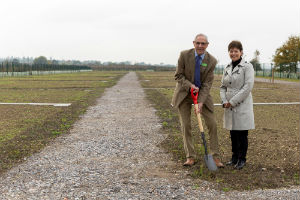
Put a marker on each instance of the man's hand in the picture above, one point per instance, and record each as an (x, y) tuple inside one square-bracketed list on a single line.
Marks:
[(226, 105), (200, 105), (196, 89)]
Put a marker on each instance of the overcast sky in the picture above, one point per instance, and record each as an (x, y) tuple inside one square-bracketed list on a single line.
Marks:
[(152, 31)]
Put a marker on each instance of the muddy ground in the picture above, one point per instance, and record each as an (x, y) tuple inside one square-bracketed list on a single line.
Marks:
[(273, 154)]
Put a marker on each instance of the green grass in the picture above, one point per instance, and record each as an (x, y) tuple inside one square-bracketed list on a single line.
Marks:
[(226, 189), (26, 129)]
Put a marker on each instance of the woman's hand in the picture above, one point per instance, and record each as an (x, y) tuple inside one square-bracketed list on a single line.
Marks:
[(226, 105)]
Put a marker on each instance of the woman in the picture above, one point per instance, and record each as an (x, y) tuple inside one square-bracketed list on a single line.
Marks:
[(237, 83)]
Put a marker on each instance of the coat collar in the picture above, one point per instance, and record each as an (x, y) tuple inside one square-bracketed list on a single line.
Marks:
[(229, 66), (192, 63), (206, 58)]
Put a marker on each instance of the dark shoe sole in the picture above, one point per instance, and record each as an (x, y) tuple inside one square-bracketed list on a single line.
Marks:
[(239, 167), (230, 164)]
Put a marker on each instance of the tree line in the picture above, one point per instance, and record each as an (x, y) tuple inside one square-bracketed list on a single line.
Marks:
[(22, 67), (286, 58)]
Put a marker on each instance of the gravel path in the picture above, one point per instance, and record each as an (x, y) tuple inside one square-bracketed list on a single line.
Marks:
[(112, 153)]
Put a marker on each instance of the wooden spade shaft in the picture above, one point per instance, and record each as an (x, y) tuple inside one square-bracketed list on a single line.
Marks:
[(199, 118), (201, 128), (210, 163)]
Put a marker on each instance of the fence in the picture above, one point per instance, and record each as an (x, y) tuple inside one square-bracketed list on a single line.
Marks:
[(115, 67), (20, 69), (290, 71)]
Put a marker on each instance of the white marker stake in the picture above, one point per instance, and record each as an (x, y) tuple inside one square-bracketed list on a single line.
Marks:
[(39, 104), (287, 103)]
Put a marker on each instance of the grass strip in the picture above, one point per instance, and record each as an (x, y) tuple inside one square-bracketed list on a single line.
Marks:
[(28, 129)]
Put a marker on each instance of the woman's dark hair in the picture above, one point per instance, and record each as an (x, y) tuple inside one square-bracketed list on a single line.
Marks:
[(235, 44)]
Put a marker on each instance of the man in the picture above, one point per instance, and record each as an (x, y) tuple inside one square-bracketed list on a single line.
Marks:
[(196, 70)]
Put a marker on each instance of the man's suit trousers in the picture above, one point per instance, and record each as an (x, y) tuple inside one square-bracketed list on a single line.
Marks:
[(185, 120)]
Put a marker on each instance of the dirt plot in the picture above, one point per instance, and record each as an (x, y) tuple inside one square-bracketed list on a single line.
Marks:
[(26, 129), (273, 154)]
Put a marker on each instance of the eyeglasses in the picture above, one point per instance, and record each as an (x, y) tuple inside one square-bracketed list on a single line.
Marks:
[(202, 43)]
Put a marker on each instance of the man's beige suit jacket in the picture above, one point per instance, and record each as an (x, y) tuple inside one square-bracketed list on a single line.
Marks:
[(184, 76)]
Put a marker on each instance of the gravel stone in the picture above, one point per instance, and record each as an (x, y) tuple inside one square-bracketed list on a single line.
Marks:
[(112, 153)]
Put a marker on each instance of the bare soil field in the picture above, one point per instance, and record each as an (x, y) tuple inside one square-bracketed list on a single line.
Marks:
[(273, 153)]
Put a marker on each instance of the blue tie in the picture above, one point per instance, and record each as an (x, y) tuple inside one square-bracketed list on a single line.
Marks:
[(197, 81)]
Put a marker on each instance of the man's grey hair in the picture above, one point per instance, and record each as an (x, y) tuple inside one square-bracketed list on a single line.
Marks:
[(203, 35)]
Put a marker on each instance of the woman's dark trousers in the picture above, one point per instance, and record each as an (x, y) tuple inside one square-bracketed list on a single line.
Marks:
[(239, 142)]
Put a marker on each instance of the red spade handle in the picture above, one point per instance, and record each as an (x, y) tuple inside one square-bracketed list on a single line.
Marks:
[(194, 96)]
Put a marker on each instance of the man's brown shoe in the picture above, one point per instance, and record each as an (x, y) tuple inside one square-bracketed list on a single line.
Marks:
[(189, 162), (218, 163)]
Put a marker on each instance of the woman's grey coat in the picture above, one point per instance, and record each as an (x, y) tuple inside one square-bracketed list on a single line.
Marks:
[(236, 89)]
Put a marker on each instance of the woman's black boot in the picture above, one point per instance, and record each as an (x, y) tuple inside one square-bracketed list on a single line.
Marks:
[(240, 164)]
